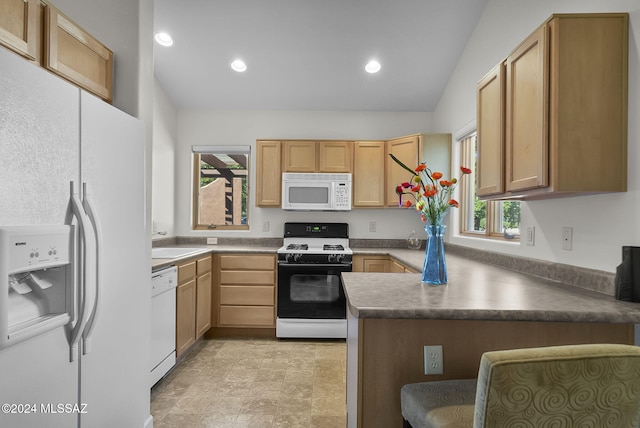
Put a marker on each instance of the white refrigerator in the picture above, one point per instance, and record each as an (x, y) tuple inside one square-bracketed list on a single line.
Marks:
[(53, 134)]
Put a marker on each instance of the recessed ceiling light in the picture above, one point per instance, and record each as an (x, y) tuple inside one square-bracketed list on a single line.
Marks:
[(163, 39), (372, 66), (238, 65)]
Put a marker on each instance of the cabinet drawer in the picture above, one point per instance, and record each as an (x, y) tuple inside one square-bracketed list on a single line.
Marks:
[(266, 277), (244, 316), (186, 271), (247, 295), (203, 265), (244, 261)]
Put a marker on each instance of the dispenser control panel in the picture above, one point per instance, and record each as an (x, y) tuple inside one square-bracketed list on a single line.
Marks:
[(31, 248)]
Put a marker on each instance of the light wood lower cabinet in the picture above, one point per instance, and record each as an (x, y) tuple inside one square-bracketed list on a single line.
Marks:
[(193, 302), (246, 289), (378, 263)]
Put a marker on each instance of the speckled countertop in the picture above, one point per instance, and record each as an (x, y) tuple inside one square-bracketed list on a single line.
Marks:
[(162, 263), (479, 291), (480, 287)]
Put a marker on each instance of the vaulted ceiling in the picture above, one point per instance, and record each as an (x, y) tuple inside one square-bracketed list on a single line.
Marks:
[(310, 54)]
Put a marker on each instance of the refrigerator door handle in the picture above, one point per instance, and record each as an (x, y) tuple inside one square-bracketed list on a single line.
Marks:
[(88, 272), (97, 230)]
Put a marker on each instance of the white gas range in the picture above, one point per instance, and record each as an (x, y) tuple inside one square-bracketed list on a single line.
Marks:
[(311, 301)]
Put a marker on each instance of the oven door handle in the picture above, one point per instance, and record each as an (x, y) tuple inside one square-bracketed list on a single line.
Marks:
[(317, 265)]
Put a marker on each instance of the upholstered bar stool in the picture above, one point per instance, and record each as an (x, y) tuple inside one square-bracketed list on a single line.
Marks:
[(570, 386)]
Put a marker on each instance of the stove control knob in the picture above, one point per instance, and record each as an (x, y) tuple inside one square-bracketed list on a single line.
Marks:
[(296, 257), (335, 258)]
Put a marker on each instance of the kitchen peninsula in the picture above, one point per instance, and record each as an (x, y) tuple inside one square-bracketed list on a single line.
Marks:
[(392, 316)]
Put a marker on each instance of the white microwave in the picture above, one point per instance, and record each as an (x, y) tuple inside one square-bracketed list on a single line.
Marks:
[(316, 192)]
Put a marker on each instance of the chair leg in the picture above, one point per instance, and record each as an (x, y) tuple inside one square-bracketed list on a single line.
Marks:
[(406, 424)]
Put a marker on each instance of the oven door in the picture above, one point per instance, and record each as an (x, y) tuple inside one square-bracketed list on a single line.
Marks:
[(311, 291)]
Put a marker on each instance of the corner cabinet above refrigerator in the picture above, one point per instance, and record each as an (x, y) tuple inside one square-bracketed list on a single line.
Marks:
[(56, 139)]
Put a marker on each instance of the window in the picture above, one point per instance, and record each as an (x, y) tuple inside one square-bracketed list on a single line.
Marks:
[(495, 219), (220, 187)]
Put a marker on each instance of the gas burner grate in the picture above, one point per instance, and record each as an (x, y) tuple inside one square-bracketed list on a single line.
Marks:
[(328, 247), (297, 247)]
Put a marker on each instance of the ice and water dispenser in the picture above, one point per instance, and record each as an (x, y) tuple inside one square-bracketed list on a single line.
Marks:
[(36, 281)]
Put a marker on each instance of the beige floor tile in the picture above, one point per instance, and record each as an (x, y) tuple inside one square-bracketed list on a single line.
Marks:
[(297, 390), (294, 406), (173, 420), (298, 376), (244, 383), (328, 422), (328, 406), (292, 421)]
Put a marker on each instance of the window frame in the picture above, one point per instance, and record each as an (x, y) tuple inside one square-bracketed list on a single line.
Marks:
[(197, 151), (493, 212)]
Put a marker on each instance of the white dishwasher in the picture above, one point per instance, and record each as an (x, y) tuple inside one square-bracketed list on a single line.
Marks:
[(163, 322)]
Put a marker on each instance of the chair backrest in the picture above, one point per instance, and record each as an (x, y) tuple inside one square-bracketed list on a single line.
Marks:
[(559, 386)]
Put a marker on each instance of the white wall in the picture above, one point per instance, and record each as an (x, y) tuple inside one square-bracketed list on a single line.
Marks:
[(197, 127), (165, 142), (601, 224)]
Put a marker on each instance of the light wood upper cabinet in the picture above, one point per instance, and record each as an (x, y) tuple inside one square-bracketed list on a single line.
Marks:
[(268, 173), (318, 156), (335, 156), (19, 26), (490, 127), (369, 174), (299, 156), (565, 120), (527, 114), (76, 55), (407, 150)]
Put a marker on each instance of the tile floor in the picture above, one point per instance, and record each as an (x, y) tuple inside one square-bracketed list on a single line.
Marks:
[(255, 383)]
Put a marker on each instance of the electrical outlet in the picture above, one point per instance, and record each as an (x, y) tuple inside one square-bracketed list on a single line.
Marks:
[(433, 360), (531, 236), (372, 226), (567, 238), (265, 226)]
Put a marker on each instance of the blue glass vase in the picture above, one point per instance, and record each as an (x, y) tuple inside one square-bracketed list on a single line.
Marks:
[(434, 270)]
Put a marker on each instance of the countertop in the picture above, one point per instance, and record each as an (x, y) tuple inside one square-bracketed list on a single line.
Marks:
[(162, 263), (478, 291)]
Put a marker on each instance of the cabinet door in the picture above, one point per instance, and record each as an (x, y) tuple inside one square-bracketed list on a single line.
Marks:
[(268, 173), (76, 55), (396, 267), (376, 264), (406, 149), (203, 304), (299, 156), (490, 161), (368, 174), (527, 150), (19, 22), (335, 156), (185, 316)]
